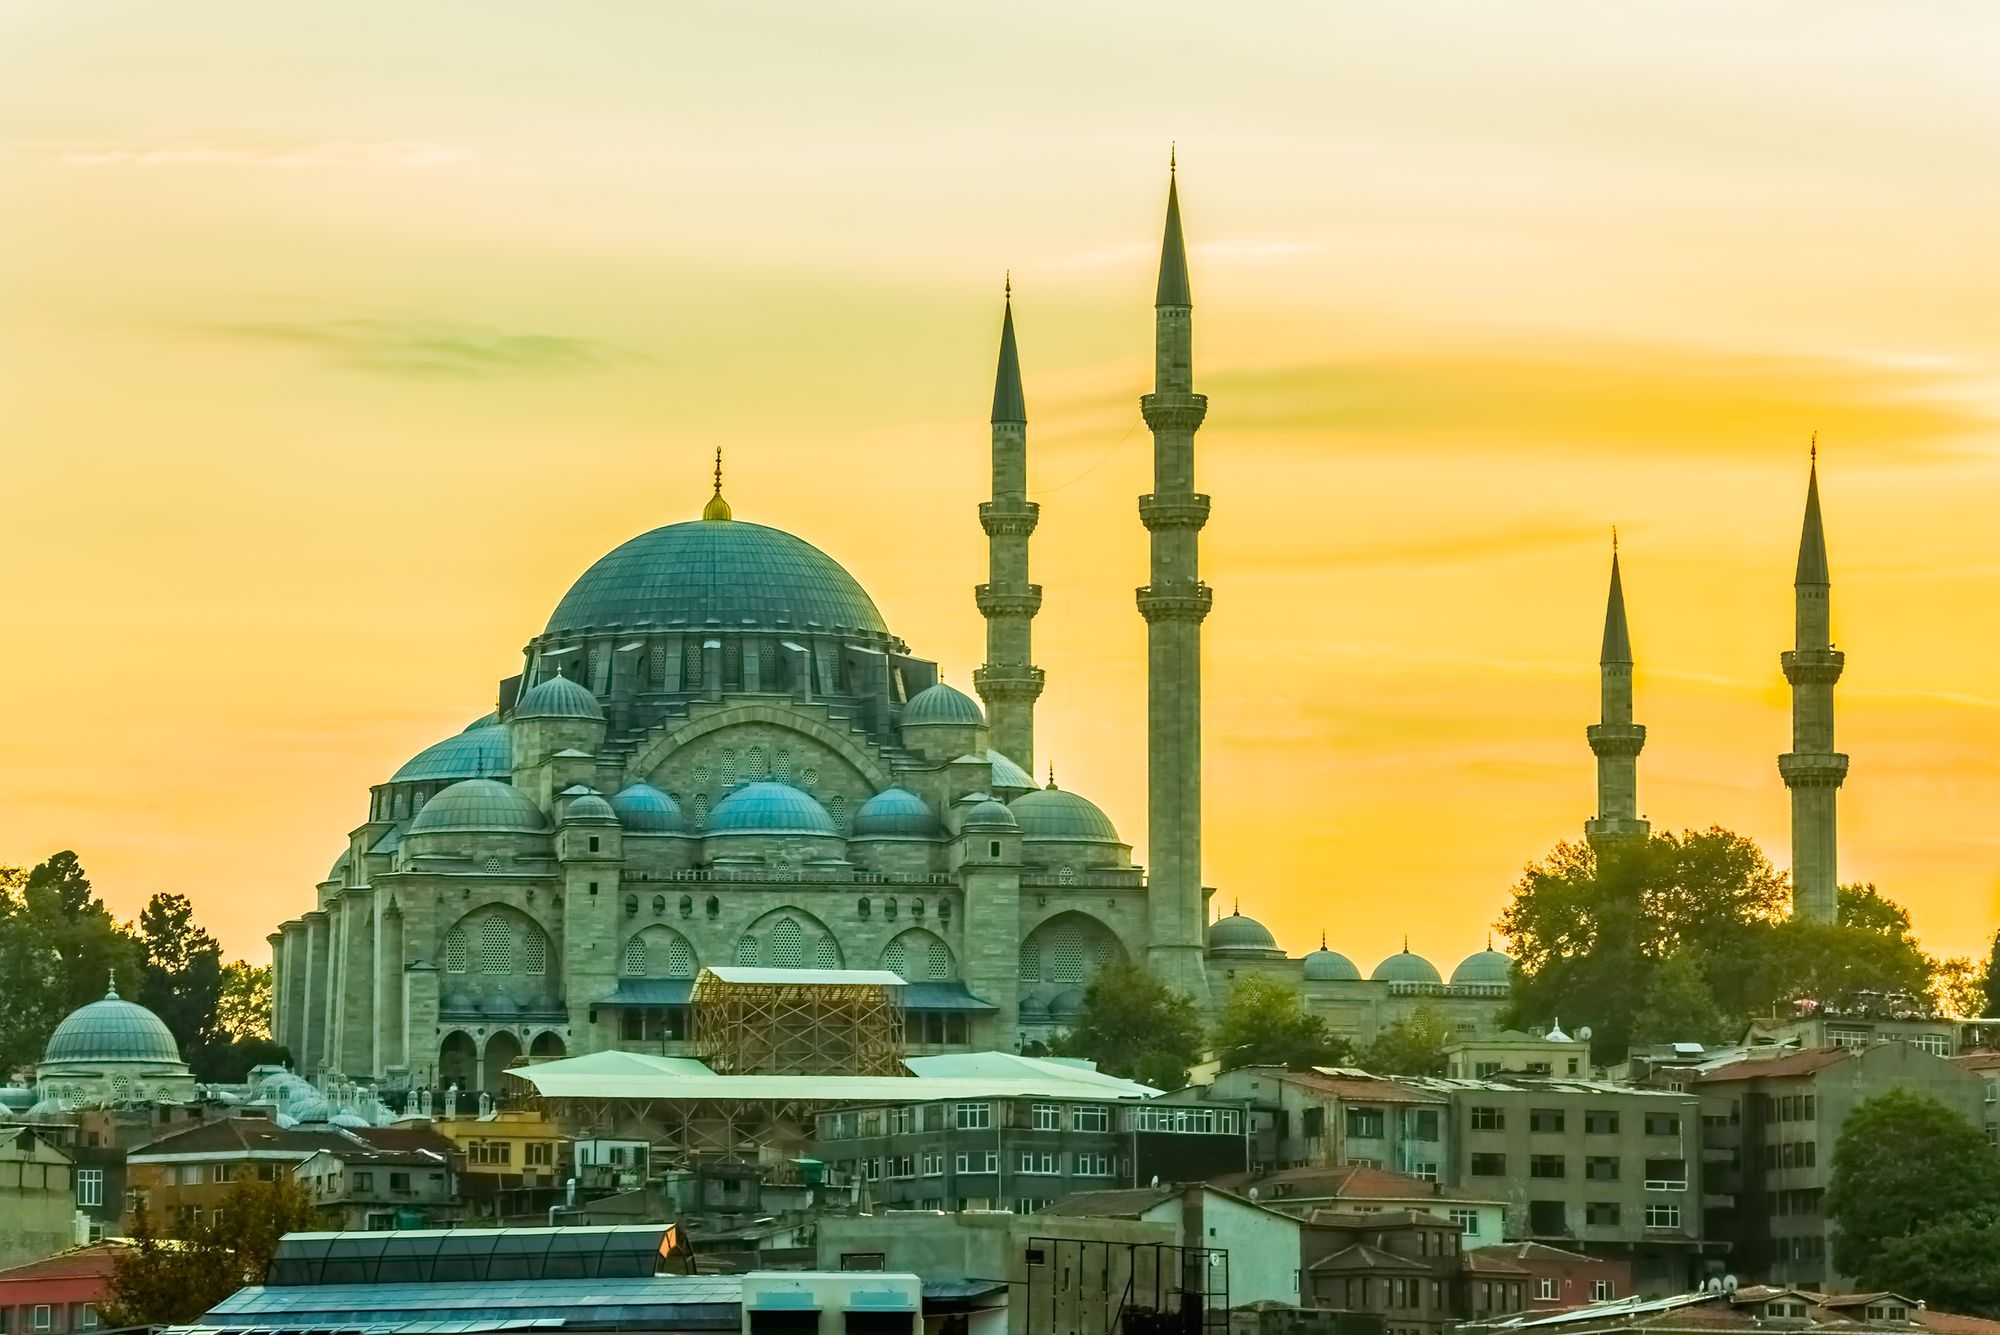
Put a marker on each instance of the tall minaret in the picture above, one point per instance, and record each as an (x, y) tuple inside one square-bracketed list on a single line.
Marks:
[(1009, 682), (1812, 769), (1615, 738), (1174, 604)]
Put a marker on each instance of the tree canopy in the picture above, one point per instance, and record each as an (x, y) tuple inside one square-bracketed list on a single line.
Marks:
[(1135, 1026), (172, 1280), (1953, 1264), (1413, 1045), (1904, 1163), (1263, 1021)]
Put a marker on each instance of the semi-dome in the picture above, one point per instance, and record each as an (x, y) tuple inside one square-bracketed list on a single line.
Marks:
[(480, 804), (717, 571), (1330, 966), (1237, 932), (1487, 966), (990, 814), (768, 807), (1404, 967), (644, 809), (895, 811), (1056, 814), (943, 703), (112, 1030), (482, 751), (558, 697)]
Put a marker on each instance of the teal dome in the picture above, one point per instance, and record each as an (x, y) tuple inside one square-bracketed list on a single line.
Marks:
[(1006, 774), (769, 808), (644, 809), (1237, 932), (722, 572), (1330, 966), (480, 804), (341, 865), (112, 1030), (943, 704), (1054, 814), (990, 814), (482, 751), (895, 811), (588, 807), (1487, 966), (1403, 967), (558, 697)]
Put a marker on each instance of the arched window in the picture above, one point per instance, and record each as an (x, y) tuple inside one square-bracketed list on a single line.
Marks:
[(496, 946), (861, 908), (896, 959), (631, 906), (1066, 957), (680, 958), (759, 767), (692, 674), (687, 906), (659, 905), (714, 906), (916, 908), (635, 964), (788, 946), (728, 770), (826, 955), (781, 768), (746, 950), (836, 807), (940, 960), (457, 957)]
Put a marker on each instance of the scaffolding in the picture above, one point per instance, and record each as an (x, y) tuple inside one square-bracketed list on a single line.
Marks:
[(798, 1022)]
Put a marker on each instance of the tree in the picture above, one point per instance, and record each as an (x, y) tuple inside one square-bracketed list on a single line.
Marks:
[(59, 949), (1904, 1162), (1413, 1045), (1866, 960), (1953, 1264), (1958, 989), (1990, 980), (1264, 1022), (1135, 1026), (244, 1007), (1678, 1005), (181, 980), (171, 1281)]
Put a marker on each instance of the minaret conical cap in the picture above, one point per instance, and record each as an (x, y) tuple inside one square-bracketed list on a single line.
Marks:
[(1008, 403), (1617, 637), (1812, 540), (1173, 252)]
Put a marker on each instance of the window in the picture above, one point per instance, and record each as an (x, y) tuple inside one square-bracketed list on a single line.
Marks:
[(1938, 1045), (90, 1186), (1489, 1119), (1545, 1289), (1427, 1171), (1425, 1124), (933, 1163), (44, 1317), (1546, 1165), (1601, 1214), (1090, 1117), (1663, 1124), (1546, 1120), (1093, 1164), (1668, 1174), (364, 1181), (974, 1116), (221, 1172), (902, 1121), (1600, 1122), (540, 1154), (992, 1162), (1600, 1168), (1467, 1221), (962, 1162), (90, 1316), (1663, 1216), (1600, 1290), (862, 1261), (1489, 1165), (1047, 1117), (1364, 1123), (1548, 1218)]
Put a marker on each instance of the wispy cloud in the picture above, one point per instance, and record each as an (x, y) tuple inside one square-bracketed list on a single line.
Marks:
[(280, 155), (433, 348)]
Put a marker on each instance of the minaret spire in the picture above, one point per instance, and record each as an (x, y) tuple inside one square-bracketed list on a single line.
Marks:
[(1174, 604), (717, 509), (1812, 769), (1009, 682), (1615, 739)]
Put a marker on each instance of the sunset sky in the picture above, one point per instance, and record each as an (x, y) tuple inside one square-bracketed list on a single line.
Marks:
[(337, 340)]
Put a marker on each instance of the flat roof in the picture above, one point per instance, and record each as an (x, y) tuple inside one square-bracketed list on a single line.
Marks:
[(638, 1075), (730, 973)]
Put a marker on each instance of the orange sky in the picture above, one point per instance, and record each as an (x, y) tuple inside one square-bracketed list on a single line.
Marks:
[(334, 343)]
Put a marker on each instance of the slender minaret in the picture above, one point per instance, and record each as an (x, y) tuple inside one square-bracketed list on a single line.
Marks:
[(1615, 738), (1009, 682), (1174, 604), (1812, 769)]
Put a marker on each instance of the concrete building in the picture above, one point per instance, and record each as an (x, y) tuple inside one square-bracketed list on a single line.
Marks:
[(361, 1187), (62, 1294), (1558, 1278), (38, 1213), (1334, 1118), (1512, 1052), (1769, 1129), (1262, 1244), (1356, 1189)]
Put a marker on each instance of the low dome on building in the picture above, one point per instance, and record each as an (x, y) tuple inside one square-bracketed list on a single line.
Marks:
[(644, 809), (1488, 966), (1403, 967), (588, 806), (112, 1030), (768, 807), (480, 804), (1006, 774), (943, 704), (1330, 966), (1066, 1005), (341, 865), (991, 814), (482, 751), (1238, 933), (895, 811), (558, 697), (1055, 814)]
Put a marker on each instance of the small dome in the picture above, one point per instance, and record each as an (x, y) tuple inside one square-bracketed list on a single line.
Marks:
[(502, 1005), (16, 1099), (480, 804), (112, 1030), (990, 814), (1066, 1005), (559, 697), (1055, 814), (644, 809), (1330, 966), (769, 808), (340, 865), (1403, 967), (588, 807), (482, 751), (943, 704), (895, 811), (1487, 966), (1237, 932), (1033, 1008), (1006, 774)]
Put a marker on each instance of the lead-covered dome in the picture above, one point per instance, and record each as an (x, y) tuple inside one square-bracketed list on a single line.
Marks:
[(1057, 814), (1404, 967), (112, 1030), (1488, 966), (943, 703), (722, 572), (767, 807), (1238, 933), (644, 809), (558, 697), (480, 804), (482, 751), (895, 811), (1329, 966)]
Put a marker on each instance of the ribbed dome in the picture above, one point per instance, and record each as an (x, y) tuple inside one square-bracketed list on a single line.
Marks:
[(588, 807), (482, 751), (769, 808), (644, 809), (1006, 774), (728, 572), (1487, 966), (1403, 967), (1066, 1005), (1056, 814), (341, 865), (990, 815), (1330, 966), (943, 703), (558, 697), (895, 811), (480, 804), (112, 1030), (1237, 932)]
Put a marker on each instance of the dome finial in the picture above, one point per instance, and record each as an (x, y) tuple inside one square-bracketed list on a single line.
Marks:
[(717, 509), (1322, 938), (1052, 774), (1406, 943), (1235, 908), (111, 986)]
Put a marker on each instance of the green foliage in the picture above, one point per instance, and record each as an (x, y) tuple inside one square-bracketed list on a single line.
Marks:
[(181, 980), (1952, 1264), (1904, 1163), (1135, 1026), (1678, 1006), (1264, 1022), (245, 1004), (1958, 989), (173, 1280), (58, 950), (1413, 1045), (1990, 980)]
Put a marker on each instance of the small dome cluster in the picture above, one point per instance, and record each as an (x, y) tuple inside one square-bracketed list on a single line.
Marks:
[(1239, 937), (643, 809)]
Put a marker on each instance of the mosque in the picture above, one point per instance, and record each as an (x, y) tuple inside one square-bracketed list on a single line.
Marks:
[(718, 753)]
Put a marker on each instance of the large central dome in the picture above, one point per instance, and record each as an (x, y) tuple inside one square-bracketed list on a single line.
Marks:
[(722, 573)]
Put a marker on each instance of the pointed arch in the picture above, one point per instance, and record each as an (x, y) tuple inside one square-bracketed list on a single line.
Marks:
[(1068, 949), (789, 938), (658, 951), (920, 956)]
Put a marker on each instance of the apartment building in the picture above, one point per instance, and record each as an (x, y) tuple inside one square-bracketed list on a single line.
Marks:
[(361, 1187), (1334, 1119)]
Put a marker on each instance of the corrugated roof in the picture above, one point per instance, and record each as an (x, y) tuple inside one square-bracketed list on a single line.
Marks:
[(1797, 1063), (92, 1262)]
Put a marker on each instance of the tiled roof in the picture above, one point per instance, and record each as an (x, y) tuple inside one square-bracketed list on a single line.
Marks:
[(1797, 1063), (1537, 1251), (1358, 1088), (90, 1262), (1363, 1257), (1375, 1219), (1352, 1182), (1978, 1061), (238, 1135), (1491, 1261), (1950, 1323)]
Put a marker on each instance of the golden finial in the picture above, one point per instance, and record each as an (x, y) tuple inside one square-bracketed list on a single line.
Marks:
[(1322, 938), (1052, 774), (717, 508), (1815, 448)]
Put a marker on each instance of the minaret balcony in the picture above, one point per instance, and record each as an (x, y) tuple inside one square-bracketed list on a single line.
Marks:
[(1012, 519), (1188, 600), (1189, 510), (1020, 601), (1813, 667), (1616, 739), (1173, 411), (1812, 769), (1616, 829), (1007, 681)]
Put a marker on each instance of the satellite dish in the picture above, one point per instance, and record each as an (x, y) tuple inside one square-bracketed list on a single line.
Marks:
[(1156, 1179), (1253, 1193), (1729, 1283), (1584, 1033)]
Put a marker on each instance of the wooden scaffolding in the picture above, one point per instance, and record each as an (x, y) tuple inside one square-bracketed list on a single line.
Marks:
[(812, 1023)]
